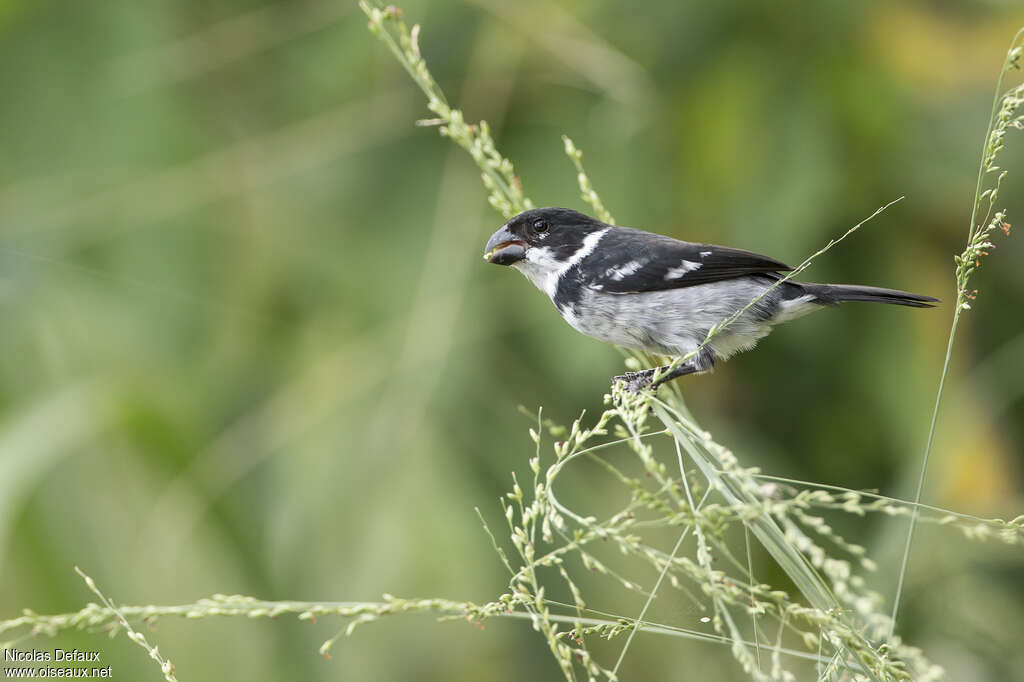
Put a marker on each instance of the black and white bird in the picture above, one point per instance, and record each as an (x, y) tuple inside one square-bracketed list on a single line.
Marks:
[(658, 294)]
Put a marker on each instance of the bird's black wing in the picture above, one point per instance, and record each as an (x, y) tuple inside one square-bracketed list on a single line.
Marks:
[(629, 260)]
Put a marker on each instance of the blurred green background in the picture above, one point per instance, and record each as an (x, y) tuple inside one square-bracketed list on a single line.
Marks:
[(249, 346)]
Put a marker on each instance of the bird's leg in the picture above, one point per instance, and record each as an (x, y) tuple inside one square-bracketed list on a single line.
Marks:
[(635, 381), (638, 381), (682, 370)]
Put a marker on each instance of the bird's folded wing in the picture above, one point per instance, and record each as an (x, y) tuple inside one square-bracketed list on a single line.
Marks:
[(630, 261)]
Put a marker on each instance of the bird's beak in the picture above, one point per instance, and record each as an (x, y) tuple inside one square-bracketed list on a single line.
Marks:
[(503, 248)]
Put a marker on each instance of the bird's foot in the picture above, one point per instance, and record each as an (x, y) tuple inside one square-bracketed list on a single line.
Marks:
[(644, 379), (635, 381)]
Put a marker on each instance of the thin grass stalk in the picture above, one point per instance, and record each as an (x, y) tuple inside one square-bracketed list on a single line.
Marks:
[(989, 150)]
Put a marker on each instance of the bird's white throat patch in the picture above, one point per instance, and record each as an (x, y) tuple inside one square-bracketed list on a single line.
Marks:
[(542, 268)]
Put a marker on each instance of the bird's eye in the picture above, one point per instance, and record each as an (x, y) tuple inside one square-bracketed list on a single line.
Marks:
[(540, 226)]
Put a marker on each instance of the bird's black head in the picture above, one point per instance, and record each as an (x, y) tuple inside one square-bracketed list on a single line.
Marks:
[(558, 231)]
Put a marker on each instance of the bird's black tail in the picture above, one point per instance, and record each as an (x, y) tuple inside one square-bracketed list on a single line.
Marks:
[(830, 294)]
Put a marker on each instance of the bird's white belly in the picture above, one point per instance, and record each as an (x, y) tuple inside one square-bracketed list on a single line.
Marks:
[(676, 321)]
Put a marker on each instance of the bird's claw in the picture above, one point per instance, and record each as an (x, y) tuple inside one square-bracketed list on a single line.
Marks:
[(635, 381)]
